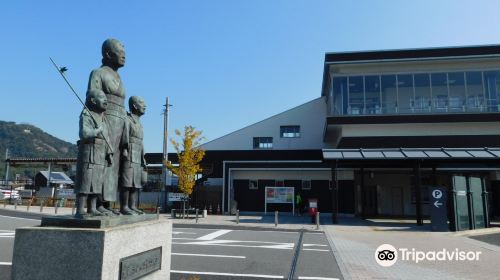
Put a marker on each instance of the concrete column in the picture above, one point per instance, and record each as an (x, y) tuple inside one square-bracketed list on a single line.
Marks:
[(335, 194), (418, 193)]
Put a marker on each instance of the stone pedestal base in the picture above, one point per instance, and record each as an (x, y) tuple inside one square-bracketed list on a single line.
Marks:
[(121, 252)]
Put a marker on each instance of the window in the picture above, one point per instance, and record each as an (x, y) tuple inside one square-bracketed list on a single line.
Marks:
[(372, 95), (290, 131), (356, 95), (306, 184), (253, 185), (405, 93), (263, 142), (339, 85), (389, 94)]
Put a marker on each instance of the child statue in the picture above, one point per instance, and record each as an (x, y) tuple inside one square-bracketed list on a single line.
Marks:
[(94, 155), (132, 174)]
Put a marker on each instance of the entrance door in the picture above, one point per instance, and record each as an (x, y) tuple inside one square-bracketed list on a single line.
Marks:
[(462, 218), (397, 201), (369, 195), (495, 198), (476, 189)]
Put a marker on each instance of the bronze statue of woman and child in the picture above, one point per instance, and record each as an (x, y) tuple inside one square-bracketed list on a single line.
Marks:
[(110, 149)]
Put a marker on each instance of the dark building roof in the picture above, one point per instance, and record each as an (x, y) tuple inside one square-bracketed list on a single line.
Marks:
[(14, 161), (412, 53), (55, 177), (406, 153), (450, 141)]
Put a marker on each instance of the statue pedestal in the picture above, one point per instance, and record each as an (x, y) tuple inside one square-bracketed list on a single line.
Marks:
[(127, 251)]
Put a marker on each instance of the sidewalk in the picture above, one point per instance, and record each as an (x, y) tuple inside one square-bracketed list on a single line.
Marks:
[(354, 242), (285, 221)]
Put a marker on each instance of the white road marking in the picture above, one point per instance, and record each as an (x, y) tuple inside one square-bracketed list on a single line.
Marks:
[(317, 278), (7, 234), (214, 256), (311, 245), (19, 218), (214, 235), (5, 263), (319, 250), (182, 232), (229, 274), (286, 246), (229, 240)]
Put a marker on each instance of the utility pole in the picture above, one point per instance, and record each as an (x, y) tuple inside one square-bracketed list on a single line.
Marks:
[(7, 171), (164, 171)]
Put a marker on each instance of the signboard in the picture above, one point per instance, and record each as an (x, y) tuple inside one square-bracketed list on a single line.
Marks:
[(279, 195), (139, 265), (66, 193), (26, 193), (439, 211), (176, 196)]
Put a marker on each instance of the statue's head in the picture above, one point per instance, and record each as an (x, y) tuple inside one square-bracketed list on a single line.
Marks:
[(96, 100), (113, 53), (136, 105)]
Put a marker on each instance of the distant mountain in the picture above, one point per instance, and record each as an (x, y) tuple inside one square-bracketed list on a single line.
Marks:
[(25, 140)]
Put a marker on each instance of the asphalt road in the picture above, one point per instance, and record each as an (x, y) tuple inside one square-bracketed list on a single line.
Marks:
[(8, 225), (493, 238), (250, 254), (204, 253)]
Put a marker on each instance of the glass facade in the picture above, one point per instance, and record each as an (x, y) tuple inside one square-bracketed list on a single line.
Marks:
[(416, 93)]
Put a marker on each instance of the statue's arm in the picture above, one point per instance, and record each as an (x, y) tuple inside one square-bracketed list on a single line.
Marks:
[(95, 80), (88, 131), (143, 159), (125, 141)]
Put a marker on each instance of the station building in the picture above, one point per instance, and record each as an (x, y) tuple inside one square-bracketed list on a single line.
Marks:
[(387, 126)]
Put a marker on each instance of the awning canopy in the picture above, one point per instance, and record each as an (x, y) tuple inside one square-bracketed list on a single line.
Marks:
[(412, 154)]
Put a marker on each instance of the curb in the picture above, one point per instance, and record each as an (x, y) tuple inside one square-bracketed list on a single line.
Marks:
[(241, 227), (475, 232)]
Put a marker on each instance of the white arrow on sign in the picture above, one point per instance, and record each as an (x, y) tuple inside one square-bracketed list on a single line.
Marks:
[(437, 203)]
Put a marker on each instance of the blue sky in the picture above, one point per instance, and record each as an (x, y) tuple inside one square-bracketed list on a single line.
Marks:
[(223, 64)]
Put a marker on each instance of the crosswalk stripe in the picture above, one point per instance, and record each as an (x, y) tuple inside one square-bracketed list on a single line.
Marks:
[(214, 235)]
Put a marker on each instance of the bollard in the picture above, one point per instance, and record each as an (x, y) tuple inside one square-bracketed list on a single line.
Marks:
[(157, 213), (275, 218), (237, 216), (29, 205), (317, 220), (4, 203), (196, 215), (56, 206), (15, 204), (41, 205), (73, 208), (172, 213)]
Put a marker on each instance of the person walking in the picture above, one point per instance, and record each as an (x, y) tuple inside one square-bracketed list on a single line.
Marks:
[(298, 203)]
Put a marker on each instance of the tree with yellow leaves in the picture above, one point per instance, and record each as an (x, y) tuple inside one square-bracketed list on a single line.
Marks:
[(190, 156)]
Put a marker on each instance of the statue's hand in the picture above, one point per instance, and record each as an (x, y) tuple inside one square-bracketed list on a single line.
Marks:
[(125, 153), (109, 158), (98, 130)]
